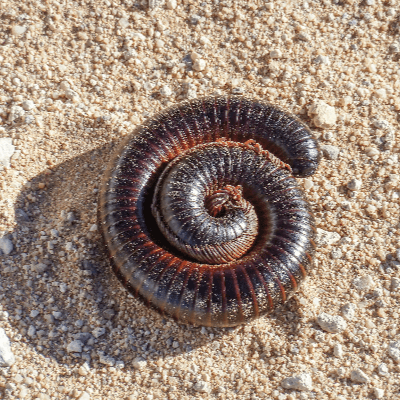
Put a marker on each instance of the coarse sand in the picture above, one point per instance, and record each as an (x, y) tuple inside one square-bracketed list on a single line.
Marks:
[(78, 76)]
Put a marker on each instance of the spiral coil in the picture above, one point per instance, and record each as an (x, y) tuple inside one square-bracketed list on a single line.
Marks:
[(201, 216)]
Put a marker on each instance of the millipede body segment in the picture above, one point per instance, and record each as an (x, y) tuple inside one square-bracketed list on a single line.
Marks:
[(201, 216)]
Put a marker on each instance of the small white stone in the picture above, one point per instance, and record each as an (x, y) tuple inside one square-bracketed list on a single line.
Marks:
[(7, 149), (330, 152), (372, 151), (204, 40), (123, 23), (84, 396), (370, 2), (97, 332), (34, 313), (64, 85), (331, 323), (324, 115), (28, 105), (322, 60), (275, 54), (394, 351), (155, 3), (302, 382), (93, 228), (75, 346), (202, 387), (354, 184), (338, 350), (139, 363), (199, 64), (394, 284), (18, 30), (106, 359), (349, 311), (165, 91), (6, 246), (324, 238), (379, 393), (364, 283), (308, 184), (383, 369), (359, 376), (84, 369), (171, 4), (302, 36), (16, 112), (72, 95), (31, 331), (381, 93), (6, 356)]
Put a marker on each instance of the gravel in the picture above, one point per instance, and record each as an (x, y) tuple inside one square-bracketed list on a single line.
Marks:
[(331, 323), (394, 351), (7, 358), (7, 149), (302, 382), (322, 114), (76, 78), (359, 376), (330, 152)]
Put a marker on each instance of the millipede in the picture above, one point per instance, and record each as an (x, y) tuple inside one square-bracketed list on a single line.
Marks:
[(200, 212)]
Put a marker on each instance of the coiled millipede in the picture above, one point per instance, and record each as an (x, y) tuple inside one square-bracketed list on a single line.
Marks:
[(201, 216)]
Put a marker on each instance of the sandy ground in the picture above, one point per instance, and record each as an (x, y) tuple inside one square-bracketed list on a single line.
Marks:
[(77, 76)]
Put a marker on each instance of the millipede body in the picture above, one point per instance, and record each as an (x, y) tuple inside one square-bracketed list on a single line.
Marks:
[(201, 215)]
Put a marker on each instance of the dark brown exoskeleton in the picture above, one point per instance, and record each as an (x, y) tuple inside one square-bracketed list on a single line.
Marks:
[(200, 213)]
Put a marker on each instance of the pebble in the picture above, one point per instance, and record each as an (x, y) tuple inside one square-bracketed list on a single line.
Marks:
[(7, 358), (84, 396), (165, 91), (322, 114), (364, 283), (372, 151), (18, 30), (378, 393), (354, 184), (28, 105), (303, 36), (72, 95), (97, 332), (84, 369), (171, 4), (338, 350), (6, 246), (331, 323), (330, 152), (7, 149), (395, 284), (394, 351), (322, 60), (349, 311), (383, 369), (302, 382), (123, 23), (275, 54), (16, 112), (202, 387), (359, 376), (324, 238), (199, 64), (40, 268), (75, 346), (106, 359), (139, 363)]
